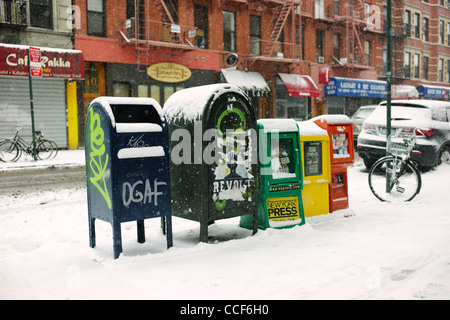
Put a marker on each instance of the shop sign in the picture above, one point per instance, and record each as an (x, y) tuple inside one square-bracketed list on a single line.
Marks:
[(355, 88), (55, 63), (169, 72)]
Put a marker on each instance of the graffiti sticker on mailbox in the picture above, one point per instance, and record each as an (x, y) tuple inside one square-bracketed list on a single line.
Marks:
[(98, 158), (232, 178), (283, 209)]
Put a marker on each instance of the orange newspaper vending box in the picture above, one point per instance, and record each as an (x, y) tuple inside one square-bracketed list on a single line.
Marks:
[(342, 156)]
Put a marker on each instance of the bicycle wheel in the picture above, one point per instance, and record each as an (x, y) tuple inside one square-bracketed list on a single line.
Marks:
[(44, 150), (405, 185), (9, 151), (54, 147)]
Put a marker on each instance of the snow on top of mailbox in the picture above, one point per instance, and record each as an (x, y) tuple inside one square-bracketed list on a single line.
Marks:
[(309, 128), (333, 118), (188, 104), (278, 124)]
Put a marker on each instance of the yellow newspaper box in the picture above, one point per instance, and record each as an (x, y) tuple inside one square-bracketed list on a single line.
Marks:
[(315, 153)]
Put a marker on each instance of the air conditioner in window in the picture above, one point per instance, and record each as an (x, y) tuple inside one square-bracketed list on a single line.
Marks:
[(320, 59), (129, 26)]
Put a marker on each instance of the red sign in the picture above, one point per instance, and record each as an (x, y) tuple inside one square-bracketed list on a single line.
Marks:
[(324, 74), (35, 62), (55, 63)]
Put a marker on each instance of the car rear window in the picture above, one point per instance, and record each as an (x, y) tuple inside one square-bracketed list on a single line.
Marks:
[(401, 113), (363, 113)]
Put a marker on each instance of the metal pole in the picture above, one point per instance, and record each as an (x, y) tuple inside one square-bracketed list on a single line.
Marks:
[(31, 108), (388, 80)]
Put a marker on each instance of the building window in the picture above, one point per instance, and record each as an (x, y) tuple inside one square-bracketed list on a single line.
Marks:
[(407, 23), (319, 43), (425, 29), (121, 89), (337, 46), (336, 7), (417, 25), (367, 51), (448, 72), (255, 35), (425, 67), (407, 65), (13, 12), (441, 32), (201, 26), (441, 70), (96, 18), (448, 32), (416, 65), (41, 14), (229, 31)]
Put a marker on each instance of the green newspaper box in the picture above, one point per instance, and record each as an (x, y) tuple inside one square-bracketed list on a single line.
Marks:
[(280, 182)]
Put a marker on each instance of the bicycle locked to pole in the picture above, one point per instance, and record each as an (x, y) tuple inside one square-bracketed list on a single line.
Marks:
[(13, 149), (395, 178)]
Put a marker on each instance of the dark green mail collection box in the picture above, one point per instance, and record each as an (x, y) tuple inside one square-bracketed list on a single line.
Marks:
[(213, 154)]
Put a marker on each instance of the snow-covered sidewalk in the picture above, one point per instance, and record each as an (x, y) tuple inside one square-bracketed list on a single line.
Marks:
[(382, 251), (63, 158)]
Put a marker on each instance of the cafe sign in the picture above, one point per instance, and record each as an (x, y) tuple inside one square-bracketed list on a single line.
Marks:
[(55, 63), (169, 72)]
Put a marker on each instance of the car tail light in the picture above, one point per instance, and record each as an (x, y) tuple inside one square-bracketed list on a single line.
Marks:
[(369, 128), (423, 132)]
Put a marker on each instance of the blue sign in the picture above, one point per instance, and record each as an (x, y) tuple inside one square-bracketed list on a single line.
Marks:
[(356, 88), (430, 92)]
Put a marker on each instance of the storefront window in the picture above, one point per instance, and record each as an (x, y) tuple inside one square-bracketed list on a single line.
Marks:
[(155, 93), (291, 107), (121, 89), (142, 91)]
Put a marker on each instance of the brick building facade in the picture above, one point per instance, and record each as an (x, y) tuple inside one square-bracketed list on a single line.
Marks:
[(280, 52)]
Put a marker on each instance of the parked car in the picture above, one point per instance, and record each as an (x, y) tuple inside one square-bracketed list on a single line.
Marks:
[(358, 118), (428, 119)]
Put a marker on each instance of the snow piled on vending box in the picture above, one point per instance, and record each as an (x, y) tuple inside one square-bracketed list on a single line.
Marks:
[(372, 250), (188, 104)]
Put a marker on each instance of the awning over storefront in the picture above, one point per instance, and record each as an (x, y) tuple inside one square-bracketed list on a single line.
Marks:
[(348, 87), (56, 63), (404, 92), (251, 82), (299, 85), (433, 92)]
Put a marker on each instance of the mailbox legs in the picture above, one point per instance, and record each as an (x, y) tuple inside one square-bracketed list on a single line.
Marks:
[(140, 231), (169, 231), (117, 239), (91, 232)]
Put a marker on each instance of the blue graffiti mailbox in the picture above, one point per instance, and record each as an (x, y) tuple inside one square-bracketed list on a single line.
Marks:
[(127, 166)]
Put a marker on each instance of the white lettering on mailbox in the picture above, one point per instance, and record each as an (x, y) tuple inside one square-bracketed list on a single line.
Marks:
[(141, 192)]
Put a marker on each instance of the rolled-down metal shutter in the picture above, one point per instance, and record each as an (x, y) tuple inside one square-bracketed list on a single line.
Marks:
[(49, 97)]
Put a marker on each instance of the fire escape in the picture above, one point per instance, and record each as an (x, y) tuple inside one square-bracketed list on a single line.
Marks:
[(354, 18), (399, 33), (146, 31)]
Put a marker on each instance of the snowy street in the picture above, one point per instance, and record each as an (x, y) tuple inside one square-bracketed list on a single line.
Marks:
[(373, 250)]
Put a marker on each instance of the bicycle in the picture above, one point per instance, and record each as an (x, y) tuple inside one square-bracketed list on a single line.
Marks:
[(12, 149), (395, 178)]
